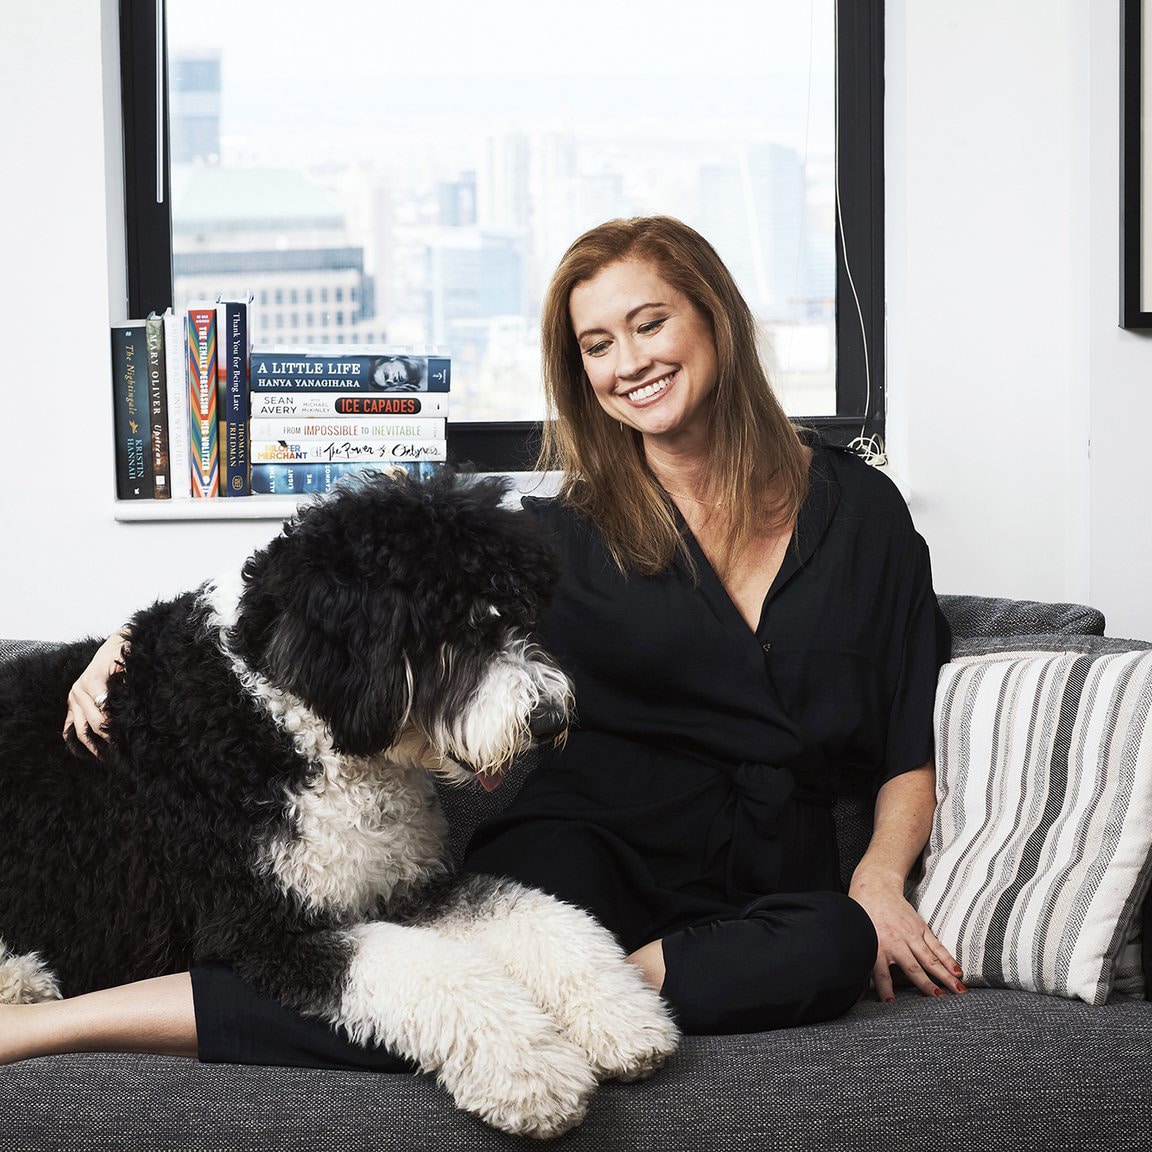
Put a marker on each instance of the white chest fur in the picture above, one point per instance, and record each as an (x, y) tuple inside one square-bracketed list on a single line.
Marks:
[(364, 831), (361, 830)]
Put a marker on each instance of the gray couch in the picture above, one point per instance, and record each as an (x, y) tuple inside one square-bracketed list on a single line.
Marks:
[(992, 1069)]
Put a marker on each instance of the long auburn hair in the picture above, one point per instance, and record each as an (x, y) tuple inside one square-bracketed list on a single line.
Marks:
[(757, 471)]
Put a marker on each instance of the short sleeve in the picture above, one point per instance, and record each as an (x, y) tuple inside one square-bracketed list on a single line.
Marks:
[(926, 647)]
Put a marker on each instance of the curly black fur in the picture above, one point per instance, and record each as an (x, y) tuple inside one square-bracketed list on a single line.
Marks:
[(155, 855)]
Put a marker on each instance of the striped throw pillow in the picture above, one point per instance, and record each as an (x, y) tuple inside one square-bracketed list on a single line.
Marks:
[(1041, 846)]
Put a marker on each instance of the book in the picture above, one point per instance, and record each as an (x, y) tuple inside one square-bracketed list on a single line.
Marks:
[(203, 432), (176, 367), (233, 346), (320, 449), (300, 479), (338, 370), (130, 417), (350, 428), (158, 407), (309, 405)]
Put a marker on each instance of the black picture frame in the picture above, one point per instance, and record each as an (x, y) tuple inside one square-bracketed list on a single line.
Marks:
[(1135, 171)]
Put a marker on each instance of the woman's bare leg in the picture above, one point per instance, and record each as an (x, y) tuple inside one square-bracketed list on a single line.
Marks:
[(650, 960), (151, 1016)]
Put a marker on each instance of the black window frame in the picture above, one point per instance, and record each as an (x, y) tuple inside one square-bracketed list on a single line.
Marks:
[(511, 445)]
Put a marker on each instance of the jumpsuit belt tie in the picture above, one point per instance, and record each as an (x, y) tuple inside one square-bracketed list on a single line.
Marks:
[(750, 827)]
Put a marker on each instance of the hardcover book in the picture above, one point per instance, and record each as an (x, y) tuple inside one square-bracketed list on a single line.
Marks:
[(203, 432), (130, 395), (176, 361), (340, 370), (158, 407), (233, 350), (350, 428), (310, 405), (322, 450), (300, 479)]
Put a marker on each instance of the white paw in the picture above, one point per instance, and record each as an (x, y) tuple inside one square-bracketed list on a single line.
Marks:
[(447, 1007), (540, 1088), (573, 968), (25, 979), (622, 1026)]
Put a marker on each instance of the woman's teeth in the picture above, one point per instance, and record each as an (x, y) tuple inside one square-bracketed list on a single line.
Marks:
[(650, 389)]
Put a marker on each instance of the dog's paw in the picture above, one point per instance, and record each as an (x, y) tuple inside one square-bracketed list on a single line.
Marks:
[(623, 1028), (538, 1085), (25, 979), (574, 969)]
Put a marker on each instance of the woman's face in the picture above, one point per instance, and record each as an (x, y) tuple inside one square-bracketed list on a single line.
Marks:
[(648, 351)]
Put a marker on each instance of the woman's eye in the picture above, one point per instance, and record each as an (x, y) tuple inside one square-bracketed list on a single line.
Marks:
[(651, 326), (597, 349)]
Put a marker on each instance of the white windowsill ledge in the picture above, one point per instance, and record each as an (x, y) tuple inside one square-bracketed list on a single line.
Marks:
[(281, 507), (226, 508)]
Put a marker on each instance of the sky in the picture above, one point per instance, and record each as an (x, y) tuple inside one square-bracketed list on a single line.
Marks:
[(358, 66)]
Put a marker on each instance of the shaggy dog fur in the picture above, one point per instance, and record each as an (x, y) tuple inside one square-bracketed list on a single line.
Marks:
[(265, 800)]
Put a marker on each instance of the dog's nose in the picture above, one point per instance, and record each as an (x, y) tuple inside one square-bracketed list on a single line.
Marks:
[(547, 722)]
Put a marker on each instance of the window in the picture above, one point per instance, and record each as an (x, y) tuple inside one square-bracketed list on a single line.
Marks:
[(427, 189)]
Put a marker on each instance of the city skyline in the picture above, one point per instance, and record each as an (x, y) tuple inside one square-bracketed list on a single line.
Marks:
[(446, 213)]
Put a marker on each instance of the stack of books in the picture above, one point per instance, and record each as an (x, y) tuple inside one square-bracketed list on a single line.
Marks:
[(318, 414), (201, 414)]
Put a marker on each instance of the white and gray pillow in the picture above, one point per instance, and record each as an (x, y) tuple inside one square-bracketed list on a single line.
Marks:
[(1041, 846)]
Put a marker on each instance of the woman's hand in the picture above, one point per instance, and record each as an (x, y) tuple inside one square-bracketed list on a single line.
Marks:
[(902, 821), (86, 699), (907, 944)]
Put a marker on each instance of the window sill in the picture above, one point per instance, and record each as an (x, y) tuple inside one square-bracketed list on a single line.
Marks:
[(228, 508), (261, 507)]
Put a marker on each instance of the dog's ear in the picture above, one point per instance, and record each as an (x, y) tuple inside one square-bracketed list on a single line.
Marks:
[(330, 635), (340, 648)]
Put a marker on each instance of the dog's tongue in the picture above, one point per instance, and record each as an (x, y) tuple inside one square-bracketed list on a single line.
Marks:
[(490, 781)]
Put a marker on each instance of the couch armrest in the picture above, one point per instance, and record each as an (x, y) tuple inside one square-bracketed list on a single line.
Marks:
[(998, 616)]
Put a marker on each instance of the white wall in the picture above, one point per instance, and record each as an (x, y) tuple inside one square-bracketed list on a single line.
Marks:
[(1005, 358), (66, 566), (1016, 401)]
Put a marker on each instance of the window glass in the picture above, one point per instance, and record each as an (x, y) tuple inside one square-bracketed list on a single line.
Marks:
[(418, 169)]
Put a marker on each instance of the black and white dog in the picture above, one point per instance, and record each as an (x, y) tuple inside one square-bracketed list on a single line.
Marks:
[(265, 799)]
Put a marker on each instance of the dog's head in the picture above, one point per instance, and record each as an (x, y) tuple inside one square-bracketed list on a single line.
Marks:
[(397, 606)]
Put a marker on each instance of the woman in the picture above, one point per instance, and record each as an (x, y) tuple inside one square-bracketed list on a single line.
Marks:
[(749, 622)]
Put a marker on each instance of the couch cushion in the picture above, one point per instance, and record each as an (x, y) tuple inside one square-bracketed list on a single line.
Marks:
[(1040, 849), (988, 1070)]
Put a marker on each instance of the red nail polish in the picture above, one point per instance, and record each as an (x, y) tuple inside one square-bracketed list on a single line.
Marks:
[(937, 991), (961, 987), (890, 1000)]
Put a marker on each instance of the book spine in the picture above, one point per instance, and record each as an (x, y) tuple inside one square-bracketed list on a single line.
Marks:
[(300, 479), (129, 390), (350, 428), (176, 358), (321, 450), (313, 405), (203, 433), (327, 372), (158, 407), (234, 349)]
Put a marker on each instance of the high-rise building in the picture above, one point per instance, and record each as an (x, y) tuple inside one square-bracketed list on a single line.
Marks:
[(753, 209), (281, 236), (194, 93)]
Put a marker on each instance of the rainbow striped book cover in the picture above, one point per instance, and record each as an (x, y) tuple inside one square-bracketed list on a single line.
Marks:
[(203, 428)]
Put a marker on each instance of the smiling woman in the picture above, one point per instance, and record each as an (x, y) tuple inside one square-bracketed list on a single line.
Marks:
[(648, 351), (653, 371)]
